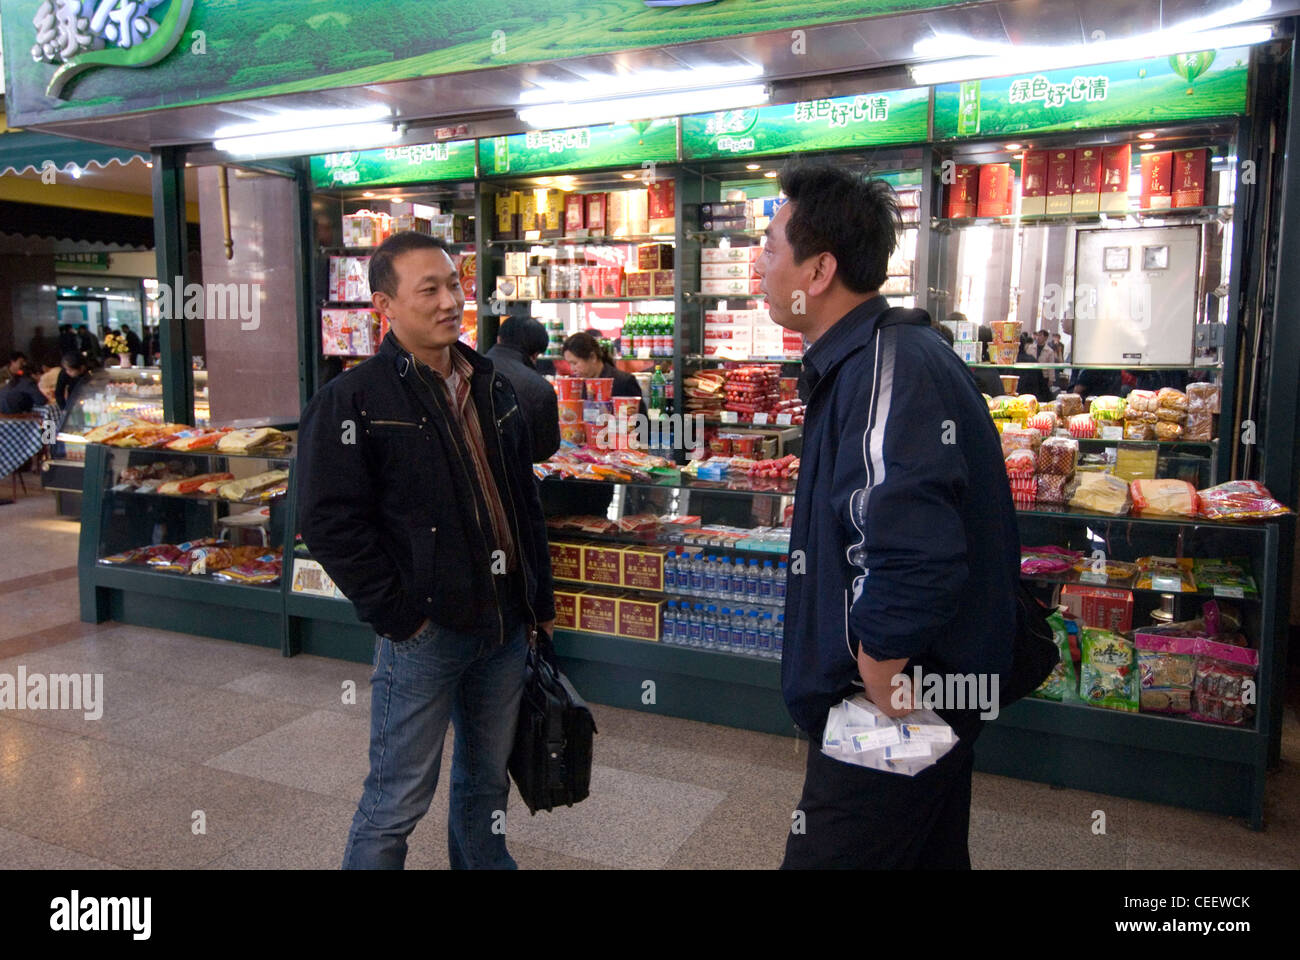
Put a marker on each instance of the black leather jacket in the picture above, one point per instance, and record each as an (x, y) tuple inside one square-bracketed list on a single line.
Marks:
[(387, 501), (540, 405)]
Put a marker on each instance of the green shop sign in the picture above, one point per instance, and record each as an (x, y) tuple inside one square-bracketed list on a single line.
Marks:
[(453, 160), (869, 119), (1186, 86), (632, 143)]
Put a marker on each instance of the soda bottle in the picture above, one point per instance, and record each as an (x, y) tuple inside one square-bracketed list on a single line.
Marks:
[(765, 583)]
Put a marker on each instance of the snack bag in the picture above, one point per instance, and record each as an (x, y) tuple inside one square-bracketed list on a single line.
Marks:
[(1041, 561), (1060, 684), (1109, 409), (1238, 500), (1221, 576), (1166, 574), (1020, 463), (1100, 492), (1082, 425), (1166, 671), (1167, 398), (1222, 671), (1140, 402), (1107, 674), (1015, 438), (1058, 456), (1114, 573), (1163, 498)]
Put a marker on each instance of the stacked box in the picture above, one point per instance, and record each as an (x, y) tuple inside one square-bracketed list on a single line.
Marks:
[(662, 208), (1033, 183), (654, 256), (1087, 180), (1060, 181), (994, 190), (963, 192), (349, 279), (1157, 180), (596, 206), (1190, 169), (1115, 162), (349, 332), (729, 254)]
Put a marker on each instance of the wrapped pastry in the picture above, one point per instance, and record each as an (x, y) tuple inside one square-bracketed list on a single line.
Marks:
[(1141, 401), (1082, 425), (1163, 498), (1203, 396), (239, 489), (1238, 500), (1016, 438), (1199, 426), (1071, 404), (1044, 422), (1027, 404), (242, 441), (1109, 409), (1171, 415), (1020, 463), (1058, 456), (1170, 431), (1052, 488), (1100, 492), (1162, 573), (1171, 399), (1139, 430)]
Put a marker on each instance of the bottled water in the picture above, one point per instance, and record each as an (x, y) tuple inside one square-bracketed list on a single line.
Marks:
[(670, 621), (697, 575), (765, 583), (779, 584), (737, 630), (683, 624), (751, 633), (724, 578), (766, 639), (670, 572), (724, 629), (751, 582), (710, 631), (697, 626), (778, 640), (710, 578)]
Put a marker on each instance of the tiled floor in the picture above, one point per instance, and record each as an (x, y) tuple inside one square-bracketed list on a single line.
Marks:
[(214, 754)]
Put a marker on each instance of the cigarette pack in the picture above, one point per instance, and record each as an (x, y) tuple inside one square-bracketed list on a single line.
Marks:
[(1115, 162), (963, 191), (730, 254), (575, 213), (994, 190), (1087, 180), (735, 286), (1189, 177), (596, 212), (1157, 180), (1033, 183), (1060, 181), (663, 208)]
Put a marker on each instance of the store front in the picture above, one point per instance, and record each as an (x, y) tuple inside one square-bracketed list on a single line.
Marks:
[(1126, 197)]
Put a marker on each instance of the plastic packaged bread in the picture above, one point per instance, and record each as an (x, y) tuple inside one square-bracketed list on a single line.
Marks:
[(1139, 430), (1203, 396), (1238, 500), (1163, 498), (1082, 425), (1167, 398), (1141, 401), (1100, 492), (239, 489), (1052, 488), (1020, 463), (242, 441), (1109, 409), (1018, 438), (193, 484), (1071, 405), (1058, 456)]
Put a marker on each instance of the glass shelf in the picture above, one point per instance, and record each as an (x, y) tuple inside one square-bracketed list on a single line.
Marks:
[(1138, 367), (192, 497), (667, 299), (740, 486), (694, 295), (1049, 511), (1137, 218), (699, 357), (599, 241), (1164, 443), (1140, 591), (369, 250)]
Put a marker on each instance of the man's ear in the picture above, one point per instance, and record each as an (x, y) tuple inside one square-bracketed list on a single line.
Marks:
[(823, 273), (381, 302)]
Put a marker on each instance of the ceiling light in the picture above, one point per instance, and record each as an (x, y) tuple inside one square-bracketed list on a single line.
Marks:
[(770, 173), (640, 82), (1017, 156), (1146, 136), (1014, 146), (368, 194), (296, 143), (629, 176), (752, 166), (1008, 59), (1146, 146), (558, 116)]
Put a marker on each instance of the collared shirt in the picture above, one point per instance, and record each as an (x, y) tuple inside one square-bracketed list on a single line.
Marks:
[(458, 395), (829, 347)]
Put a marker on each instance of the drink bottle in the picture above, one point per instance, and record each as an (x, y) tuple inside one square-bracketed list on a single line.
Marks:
[(751, 633), (697, 626), (765, 583), (670, 622), (751, 582), (779, 584), (724, 578), (710, 631), (709, 579), (724, 629), (697, 575)]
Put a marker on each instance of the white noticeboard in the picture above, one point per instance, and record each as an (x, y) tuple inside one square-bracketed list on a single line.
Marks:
[(1135, 295)]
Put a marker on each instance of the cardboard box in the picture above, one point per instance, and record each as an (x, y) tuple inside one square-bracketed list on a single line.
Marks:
[(730, 254), (348, 332), (529, 288), (616, 211), (640, 283), (661, 283), (507, 219), (639, 619), (1157, 180), (550, 212), (737, 287), (994, 190), (590, 282), (643, 568), (1087, 180), (597, 613), (1115, 164), (516, 264), (662, 200), (1104, 607), (527, 213), (963, 192), (566, 609), (638, 212), (566, 561), (1060, 181), (735, 224), (602, 564), (1191, 168), (1033, 183), (507, 288), (595, 212), (733, 269), (654, 256), (575, 213)]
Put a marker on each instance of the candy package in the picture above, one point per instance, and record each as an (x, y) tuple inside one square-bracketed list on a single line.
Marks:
[(1058, 456), (1100, 492), (1166, 671), (1060, 684), (1238, 500), (1220, 692), (1043, 561), (1107, 675), (1163, 498), (1020, 463), (1024, 491), (1166, 574)]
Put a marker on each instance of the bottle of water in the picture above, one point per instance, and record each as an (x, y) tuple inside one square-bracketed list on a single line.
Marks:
[(724, 629), (723, 578), (751, 582), (766, 641), (778, 639), (737, 630), (765, 585), (710, 579), (670, 622), (697, 575), (710, 631), (697, 626), (670, 571), (751, 633), (779, 584), (683, 624)]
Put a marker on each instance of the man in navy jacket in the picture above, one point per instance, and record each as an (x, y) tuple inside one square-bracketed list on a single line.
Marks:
[(904, 548)]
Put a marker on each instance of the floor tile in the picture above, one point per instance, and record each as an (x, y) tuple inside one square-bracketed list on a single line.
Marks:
[(20, 852), (322, 751)]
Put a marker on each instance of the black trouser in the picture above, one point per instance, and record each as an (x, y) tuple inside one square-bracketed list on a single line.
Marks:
[(861, 819)]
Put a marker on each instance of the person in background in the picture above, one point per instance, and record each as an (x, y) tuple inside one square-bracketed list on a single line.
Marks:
[(152, 346), (67, 339), (1058, 348), (1042, 351), (1031, 381), (520, 341), (16, 360), (1098, 383), (73, 373), (88, 345), (988, 380), (21, 394), (591, 361), (133, 342)]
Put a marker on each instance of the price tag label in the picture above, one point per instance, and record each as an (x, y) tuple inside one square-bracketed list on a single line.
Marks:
[(729, 416), (1089, 576), (532, 234), (1231, 593), (760, 418), (643, 353), (784, 419), (1110, 432), (1167, 584)]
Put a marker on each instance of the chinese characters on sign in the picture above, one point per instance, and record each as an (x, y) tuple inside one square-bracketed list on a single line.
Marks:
[(837, 113), (65, 28), (420, 153), (1040, 89), (557, 141), (726, 121)]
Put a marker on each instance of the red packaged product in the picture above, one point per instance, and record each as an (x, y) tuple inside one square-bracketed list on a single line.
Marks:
[(963, 191), (1238, 500), (1102, 607)]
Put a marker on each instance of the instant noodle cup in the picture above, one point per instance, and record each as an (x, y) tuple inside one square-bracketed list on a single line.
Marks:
[(600, 388), (625, 407), (1010, 384), (746, 445), (571, 411), (591, 432), (573, 433), (720, 445), (1006, 331), (569, 388)]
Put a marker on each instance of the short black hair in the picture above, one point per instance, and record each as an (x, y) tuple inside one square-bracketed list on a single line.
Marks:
[(383, 278), (943, 329), (585, 347), (74, 361), (17, 355), (854, 218), (524, 333)]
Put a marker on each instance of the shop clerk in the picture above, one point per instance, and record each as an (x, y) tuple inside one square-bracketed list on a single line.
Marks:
[(589, 360)]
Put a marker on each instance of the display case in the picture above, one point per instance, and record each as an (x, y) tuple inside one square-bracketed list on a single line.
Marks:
[(112, 393), (187, 541)]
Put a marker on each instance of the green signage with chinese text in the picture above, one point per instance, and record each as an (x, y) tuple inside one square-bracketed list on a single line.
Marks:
[(632, 143), (387, 166)]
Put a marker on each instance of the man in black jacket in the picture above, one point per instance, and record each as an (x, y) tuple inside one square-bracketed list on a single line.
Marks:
[(416, 494), (520, 341)]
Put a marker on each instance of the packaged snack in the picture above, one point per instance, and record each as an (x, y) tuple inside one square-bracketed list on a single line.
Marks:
[(1141, 401), (1060, 684), (1020, 463), (1100, 492), (1044, 561), (1107, 674), (1163, 498), (1071, 404), (1169, 398), (1024, 491), (1058, 456), (1136, 461), (1102, 607), (1052, 488), (1109, 572), (1016, 438), (1199, 426), (1083, 426), (1166, 574), (1224, 577), (1004, 407), (1027, 404), (1221, 672), (193, 484), (196, 439), (1110, 409), (1238, 500), (1170, 415), (242, 441), (1166, 672), (239, 489), (1053, 407), (1044, 423), (1203, 396), (135, 555), (1139, 430), (1169, 431)]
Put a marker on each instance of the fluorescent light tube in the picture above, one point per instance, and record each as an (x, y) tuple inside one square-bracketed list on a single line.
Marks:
[(616, 85), (355, 136), (557, 116)]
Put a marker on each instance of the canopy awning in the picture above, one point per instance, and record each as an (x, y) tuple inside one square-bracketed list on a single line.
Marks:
[(28, 150)]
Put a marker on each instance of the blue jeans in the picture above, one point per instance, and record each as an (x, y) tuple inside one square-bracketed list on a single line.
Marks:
[(418, 685)]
